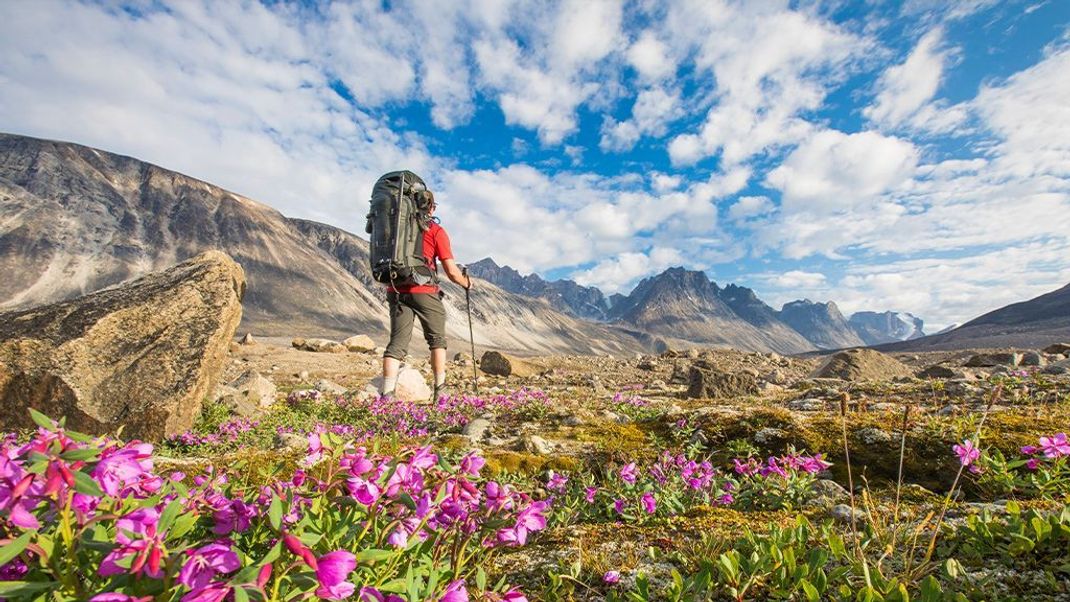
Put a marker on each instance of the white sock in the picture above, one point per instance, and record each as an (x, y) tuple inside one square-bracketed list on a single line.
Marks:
[(440, 379), (389, 382)]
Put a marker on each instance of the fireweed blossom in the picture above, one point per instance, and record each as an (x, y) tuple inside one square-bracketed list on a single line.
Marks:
[(138, 537), (629, 473), (206, 562), (1055, 446), (331, 571), (556, 482), (611, 577), (650, 504), (966, 452)]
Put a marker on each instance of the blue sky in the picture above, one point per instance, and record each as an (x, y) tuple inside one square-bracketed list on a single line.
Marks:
[(910, 156)]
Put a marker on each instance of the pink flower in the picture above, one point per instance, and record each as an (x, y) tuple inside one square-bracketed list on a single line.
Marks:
[(589, 494), (213, 592), (205, 563), (300, 550), (514, 595), (370, 594), (726, 499), (365, 492), (1029, 450), (966, 452), (529, 519), (1055, 446), (649, 503), (331, 572), (619, 505), (557, 482), (137, 536), (471, 463), (119, 598), (1032, 463), (629, 473), (455, 592), (611, 577), (233, 516)]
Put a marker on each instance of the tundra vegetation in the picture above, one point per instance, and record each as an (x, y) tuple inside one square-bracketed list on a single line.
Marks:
[(887, 491)]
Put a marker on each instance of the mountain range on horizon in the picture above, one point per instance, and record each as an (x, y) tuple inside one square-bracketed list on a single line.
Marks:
[(713, 313), (75, 220)]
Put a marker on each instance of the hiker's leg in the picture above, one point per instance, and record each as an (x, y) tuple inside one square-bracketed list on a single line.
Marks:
[(401, 319), (432, 315)]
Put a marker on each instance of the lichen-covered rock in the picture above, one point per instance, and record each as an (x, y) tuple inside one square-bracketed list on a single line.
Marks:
[(937, 371), (360, 343), (500, 364), (1032, 359), (708, 382), (861, 365), (142, 356), (320, 345), (253, 392), (1057, 348)]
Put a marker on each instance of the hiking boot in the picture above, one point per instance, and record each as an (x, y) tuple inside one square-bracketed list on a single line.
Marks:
[(441, 391)]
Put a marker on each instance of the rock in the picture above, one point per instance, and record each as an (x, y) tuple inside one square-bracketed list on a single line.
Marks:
[(807, 405), (360, 343), (143, 355), (937, 371), (303, 375), (1060, 367), (411, 385), (615, 417), (234, 347), (1032, 359), (777, 377), (1057, 348), (476, 429), (872, 435), (828, 492), (380, 350), (985, 360), (861, 365), (291, 442), (535, 444), (222, 391), (462, 358), (248, 339), (322, 346), (499, 364), (680, 373), (329, 387), (714, 384), (769, 435), (647, 364), (843, 513), (254, 392), (297, 343)]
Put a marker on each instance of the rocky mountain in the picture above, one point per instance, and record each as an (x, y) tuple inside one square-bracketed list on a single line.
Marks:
[(1034, 323), (566, 296), (886, 327), (75, 220), (820, 323), (685, 304)]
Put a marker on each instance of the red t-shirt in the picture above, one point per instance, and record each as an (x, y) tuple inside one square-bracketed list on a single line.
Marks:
[(436, 248)]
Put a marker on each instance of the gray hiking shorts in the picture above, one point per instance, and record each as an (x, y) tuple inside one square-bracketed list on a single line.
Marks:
[(404, 307)]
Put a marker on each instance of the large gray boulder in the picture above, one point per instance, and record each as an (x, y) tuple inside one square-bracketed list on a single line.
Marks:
[(704, 381), (141, 356)]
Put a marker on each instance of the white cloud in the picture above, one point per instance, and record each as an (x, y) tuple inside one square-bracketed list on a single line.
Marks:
[(750, 206), (833, 171), (619, 274), (653, 111), (650, 57), (905, 90), (764, 84)]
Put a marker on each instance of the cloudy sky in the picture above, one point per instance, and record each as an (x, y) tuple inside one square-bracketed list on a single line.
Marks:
[(912, 155)]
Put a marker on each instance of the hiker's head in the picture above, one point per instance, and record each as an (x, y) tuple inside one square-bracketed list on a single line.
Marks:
[(430, 200)]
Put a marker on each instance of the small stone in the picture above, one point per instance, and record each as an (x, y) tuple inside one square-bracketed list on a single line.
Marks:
[(1032, 359), (411, 385), (303, 375), (255, 390), (777, 377), (807, 405), (844, 513), (647, 364), (360, 343), (330, 388), (248, 339), (873, 435), (476, 429), (322, 346), (291, 442), (827, 492), (707, 382), (536, 445), (769, 435), (500, 364), (1060, 367), (937, 371), (615, 417), (1063, 348), (297, 343)]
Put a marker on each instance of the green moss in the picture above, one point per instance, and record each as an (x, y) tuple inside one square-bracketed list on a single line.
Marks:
[(499, 462)]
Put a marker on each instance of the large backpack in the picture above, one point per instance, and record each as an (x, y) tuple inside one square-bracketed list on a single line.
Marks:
[(399, 216)]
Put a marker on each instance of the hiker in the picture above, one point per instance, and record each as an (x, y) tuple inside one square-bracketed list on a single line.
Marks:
[(422, 301)]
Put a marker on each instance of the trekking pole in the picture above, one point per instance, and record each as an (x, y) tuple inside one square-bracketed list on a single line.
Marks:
[(471, 337)]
